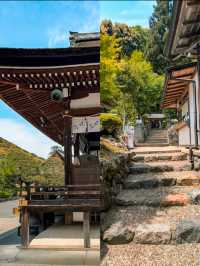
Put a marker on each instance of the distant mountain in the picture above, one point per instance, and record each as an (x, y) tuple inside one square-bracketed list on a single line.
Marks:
[(15, 162), (6, 147)]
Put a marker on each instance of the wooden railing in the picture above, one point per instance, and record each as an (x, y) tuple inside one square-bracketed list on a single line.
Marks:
[(34, 192)]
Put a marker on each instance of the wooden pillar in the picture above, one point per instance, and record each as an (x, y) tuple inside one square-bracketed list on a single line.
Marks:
[(68, 149), (77, 146), (198, 86), (86, 229), (25, 227), (68, 218), (42, 222)]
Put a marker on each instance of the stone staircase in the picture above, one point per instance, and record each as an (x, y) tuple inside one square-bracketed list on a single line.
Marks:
[(156, 137), (159, 203)]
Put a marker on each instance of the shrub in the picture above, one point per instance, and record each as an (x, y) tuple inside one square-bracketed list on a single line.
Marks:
[(110, 123)]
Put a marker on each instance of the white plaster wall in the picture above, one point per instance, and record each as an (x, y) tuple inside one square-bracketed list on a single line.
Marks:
[(184, 136), (184, 133), (192, 111)]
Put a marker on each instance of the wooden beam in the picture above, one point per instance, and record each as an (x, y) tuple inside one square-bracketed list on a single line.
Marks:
[(188, 36), (86, 229), (85, 111), (192, 21), (172, 89), (68, 149), (193, 4), (183, 72), (25, 227), (174, 86)]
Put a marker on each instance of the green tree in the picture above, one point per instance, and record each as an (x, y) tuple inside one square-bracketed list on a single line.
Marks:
[(108, 68), (106, 27), (136, 78), (130, 38), (159, 26)]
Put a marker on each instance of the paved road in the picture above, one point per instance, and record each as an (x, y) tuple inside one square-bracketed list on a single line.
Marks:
[(6, 208), (8, 221)]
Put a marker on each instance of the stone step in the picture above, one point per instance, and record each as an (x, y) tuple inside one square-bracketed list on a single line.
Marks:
[(157, 139), (150, 225), (160, 157), (152, 255), (153, 150), (158, 133), (151, 144), (159, 197), (153, 180), (157, 136), (163, 166)]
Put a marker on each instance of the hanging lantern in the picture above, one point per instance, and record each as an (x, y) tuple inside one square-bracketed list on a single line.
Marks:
[(57, 95)]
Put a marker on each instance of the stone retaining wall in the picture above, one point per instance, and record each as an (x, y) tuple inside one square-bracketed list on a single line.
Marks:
[(113, 173)]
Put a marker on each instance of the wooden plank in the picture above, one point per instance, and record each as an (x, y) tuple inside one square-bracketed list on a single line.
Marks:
[(87, 186), (86, 229), (25, 227), (73, 208)]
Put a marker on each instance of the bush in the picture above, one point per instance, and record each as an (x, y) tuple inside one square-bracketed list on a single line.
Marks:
[(6, 194), (110, 123)]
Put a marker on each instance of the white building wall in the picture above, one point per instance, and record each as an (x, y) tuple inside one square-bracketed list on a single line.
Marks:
[(198, 111), (184, 132), (184, 136), (192, 112)]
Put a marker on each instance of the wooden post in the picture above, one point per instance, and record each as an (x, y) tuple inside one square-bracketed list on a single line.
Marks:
[(68, 149), (25, 227), (86, 229), (42, 223), (198, 89), (76, 146), (68, 218)]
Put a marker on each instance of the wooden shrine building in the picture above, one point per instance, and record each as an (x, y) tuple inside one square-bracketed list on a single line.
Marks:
[(57, 91), (182, 83)]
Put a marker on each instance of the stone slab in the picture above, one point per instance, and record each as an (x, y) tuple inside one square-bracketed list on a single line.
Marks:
[(70, 237), (153, 234), (156, 197)]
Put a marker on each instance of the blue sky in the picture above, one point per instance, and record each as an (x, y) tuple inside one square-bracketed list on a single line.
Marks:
[(133, 12), (39, 24)]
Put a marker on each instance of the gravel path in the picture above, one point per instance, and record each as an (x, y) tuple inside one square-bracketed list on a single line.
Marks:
[(152, 255)]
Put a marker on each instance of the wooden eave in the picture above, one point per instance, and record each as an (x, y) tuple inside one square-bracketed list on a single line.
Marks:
[(28, 76), (184, 33), (175, 89)]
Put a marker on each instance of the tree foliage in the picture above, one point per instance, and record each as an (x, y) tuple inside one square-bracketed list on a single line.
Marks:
[(16, 163), (159, 27), (136, 77), (130, 38), (109, 64), (129, 85)]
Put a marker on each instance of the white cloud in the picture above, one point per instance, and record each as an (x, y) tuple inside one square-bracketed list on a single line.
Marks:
[(93, 19), (25, 136), (56, 36)]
